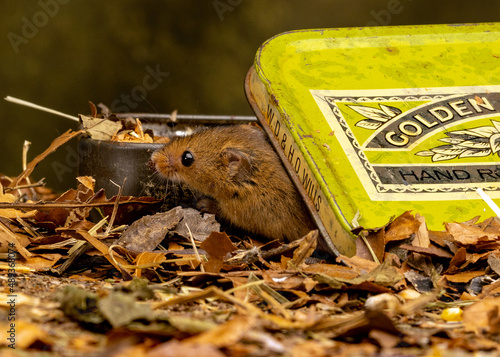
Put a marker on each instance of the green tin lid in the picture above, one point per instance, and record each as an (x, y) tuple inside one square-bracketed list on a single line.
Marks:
[(382, 120)]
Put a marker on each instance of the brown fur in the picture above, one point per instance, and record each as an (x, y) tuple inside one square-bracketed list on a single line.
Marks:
[(238, 169)]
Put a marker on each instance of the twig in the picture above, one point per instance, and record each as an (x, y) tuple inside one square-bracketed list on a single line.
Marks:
[(251, 256), (51, 205), (11, 237), (370, 249), (26, 147), (39, 107), (93, 231), (35, 184), (194, 248), (71, 259), (28, 228), (115, 207)]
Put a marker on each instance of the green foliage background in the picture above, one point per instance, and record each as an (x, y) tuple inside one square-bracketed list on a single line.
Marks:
[(99, 50)]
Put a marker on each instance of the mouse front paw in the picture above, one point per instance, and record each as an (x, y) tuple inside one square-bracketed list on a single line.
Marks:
[(207, 205)]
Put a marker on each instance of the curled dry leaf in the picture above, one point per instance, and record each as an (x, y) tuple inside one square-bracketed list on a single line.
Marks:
[(305, 250), (59, 141), (402, 227), (100, 129), (465, 234), (147, 232)]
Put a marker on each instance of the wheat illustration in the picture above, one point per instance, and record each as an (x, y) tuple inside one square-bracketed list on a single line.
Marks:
[(474, 142), (375, 117)]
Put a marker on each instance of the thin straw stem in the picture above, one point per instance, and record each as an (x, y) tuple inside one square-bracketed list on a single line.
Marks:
[(39, 107)]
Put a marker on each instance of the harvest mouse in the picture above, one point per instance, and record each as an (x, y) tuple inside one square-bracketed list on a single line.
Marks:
[(237, 168)]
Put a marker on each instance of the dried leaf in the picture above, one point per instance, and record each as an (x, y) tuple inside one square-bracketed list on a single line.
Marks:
[(61, 140), (421, 283), (217, 246), (100, 129), (12, 213), (463, 277), (482, 316), (376, 240), (430, 251), (358, 264), (305, 249), (402, 227), (422, 235), (148, 259), (79, 304), (13, 240), (383, 275), (331, 270), (332, 282), (200, 225), (176, 348), (42, 262), (384, 339), (468, 235), (117, 261), (121, 309), (146, 233), (494, 263), (87, 181), (26, 334), (64, 217), (457, 261)]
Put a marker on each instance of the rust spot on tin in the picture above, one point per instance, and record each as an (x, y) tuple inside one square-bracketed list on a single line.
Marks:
[(393, 50), (331, 133)]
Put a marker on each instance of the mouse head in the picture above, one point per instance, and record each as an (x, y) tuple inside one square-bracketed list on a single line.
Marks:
[(212, 162)]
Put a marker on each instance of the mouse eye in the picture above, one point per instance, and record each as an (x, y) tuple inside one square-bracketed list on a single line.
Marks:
[(187, 158)]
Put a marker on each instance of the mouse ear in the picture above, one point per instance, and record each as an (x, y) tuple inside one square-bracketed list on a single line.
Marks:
[(238, 162)]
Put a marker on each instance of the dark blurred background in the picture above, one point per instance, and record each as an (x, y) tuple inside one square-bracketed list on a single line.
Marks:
[(188, 55)]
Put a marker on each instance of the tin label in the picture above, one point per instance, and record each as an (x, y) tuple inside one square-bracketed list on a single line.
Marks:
[(419, 144)]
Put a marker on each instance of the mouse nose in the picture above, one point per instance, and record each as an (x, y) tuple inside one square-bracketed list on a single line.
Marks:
[(162, 163)]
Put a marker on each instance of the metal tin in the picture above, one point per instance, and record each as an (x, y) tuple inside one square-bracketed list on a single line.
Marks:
[(382, 120), (111, 162)]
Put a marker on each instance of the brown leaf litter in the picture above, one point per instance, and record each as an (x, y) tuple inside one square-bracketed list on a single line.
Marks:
[(135, 282)]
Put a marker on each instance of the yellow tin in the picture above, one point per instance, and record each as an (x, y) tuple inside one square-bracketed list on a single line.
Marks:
[(371, 122)]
